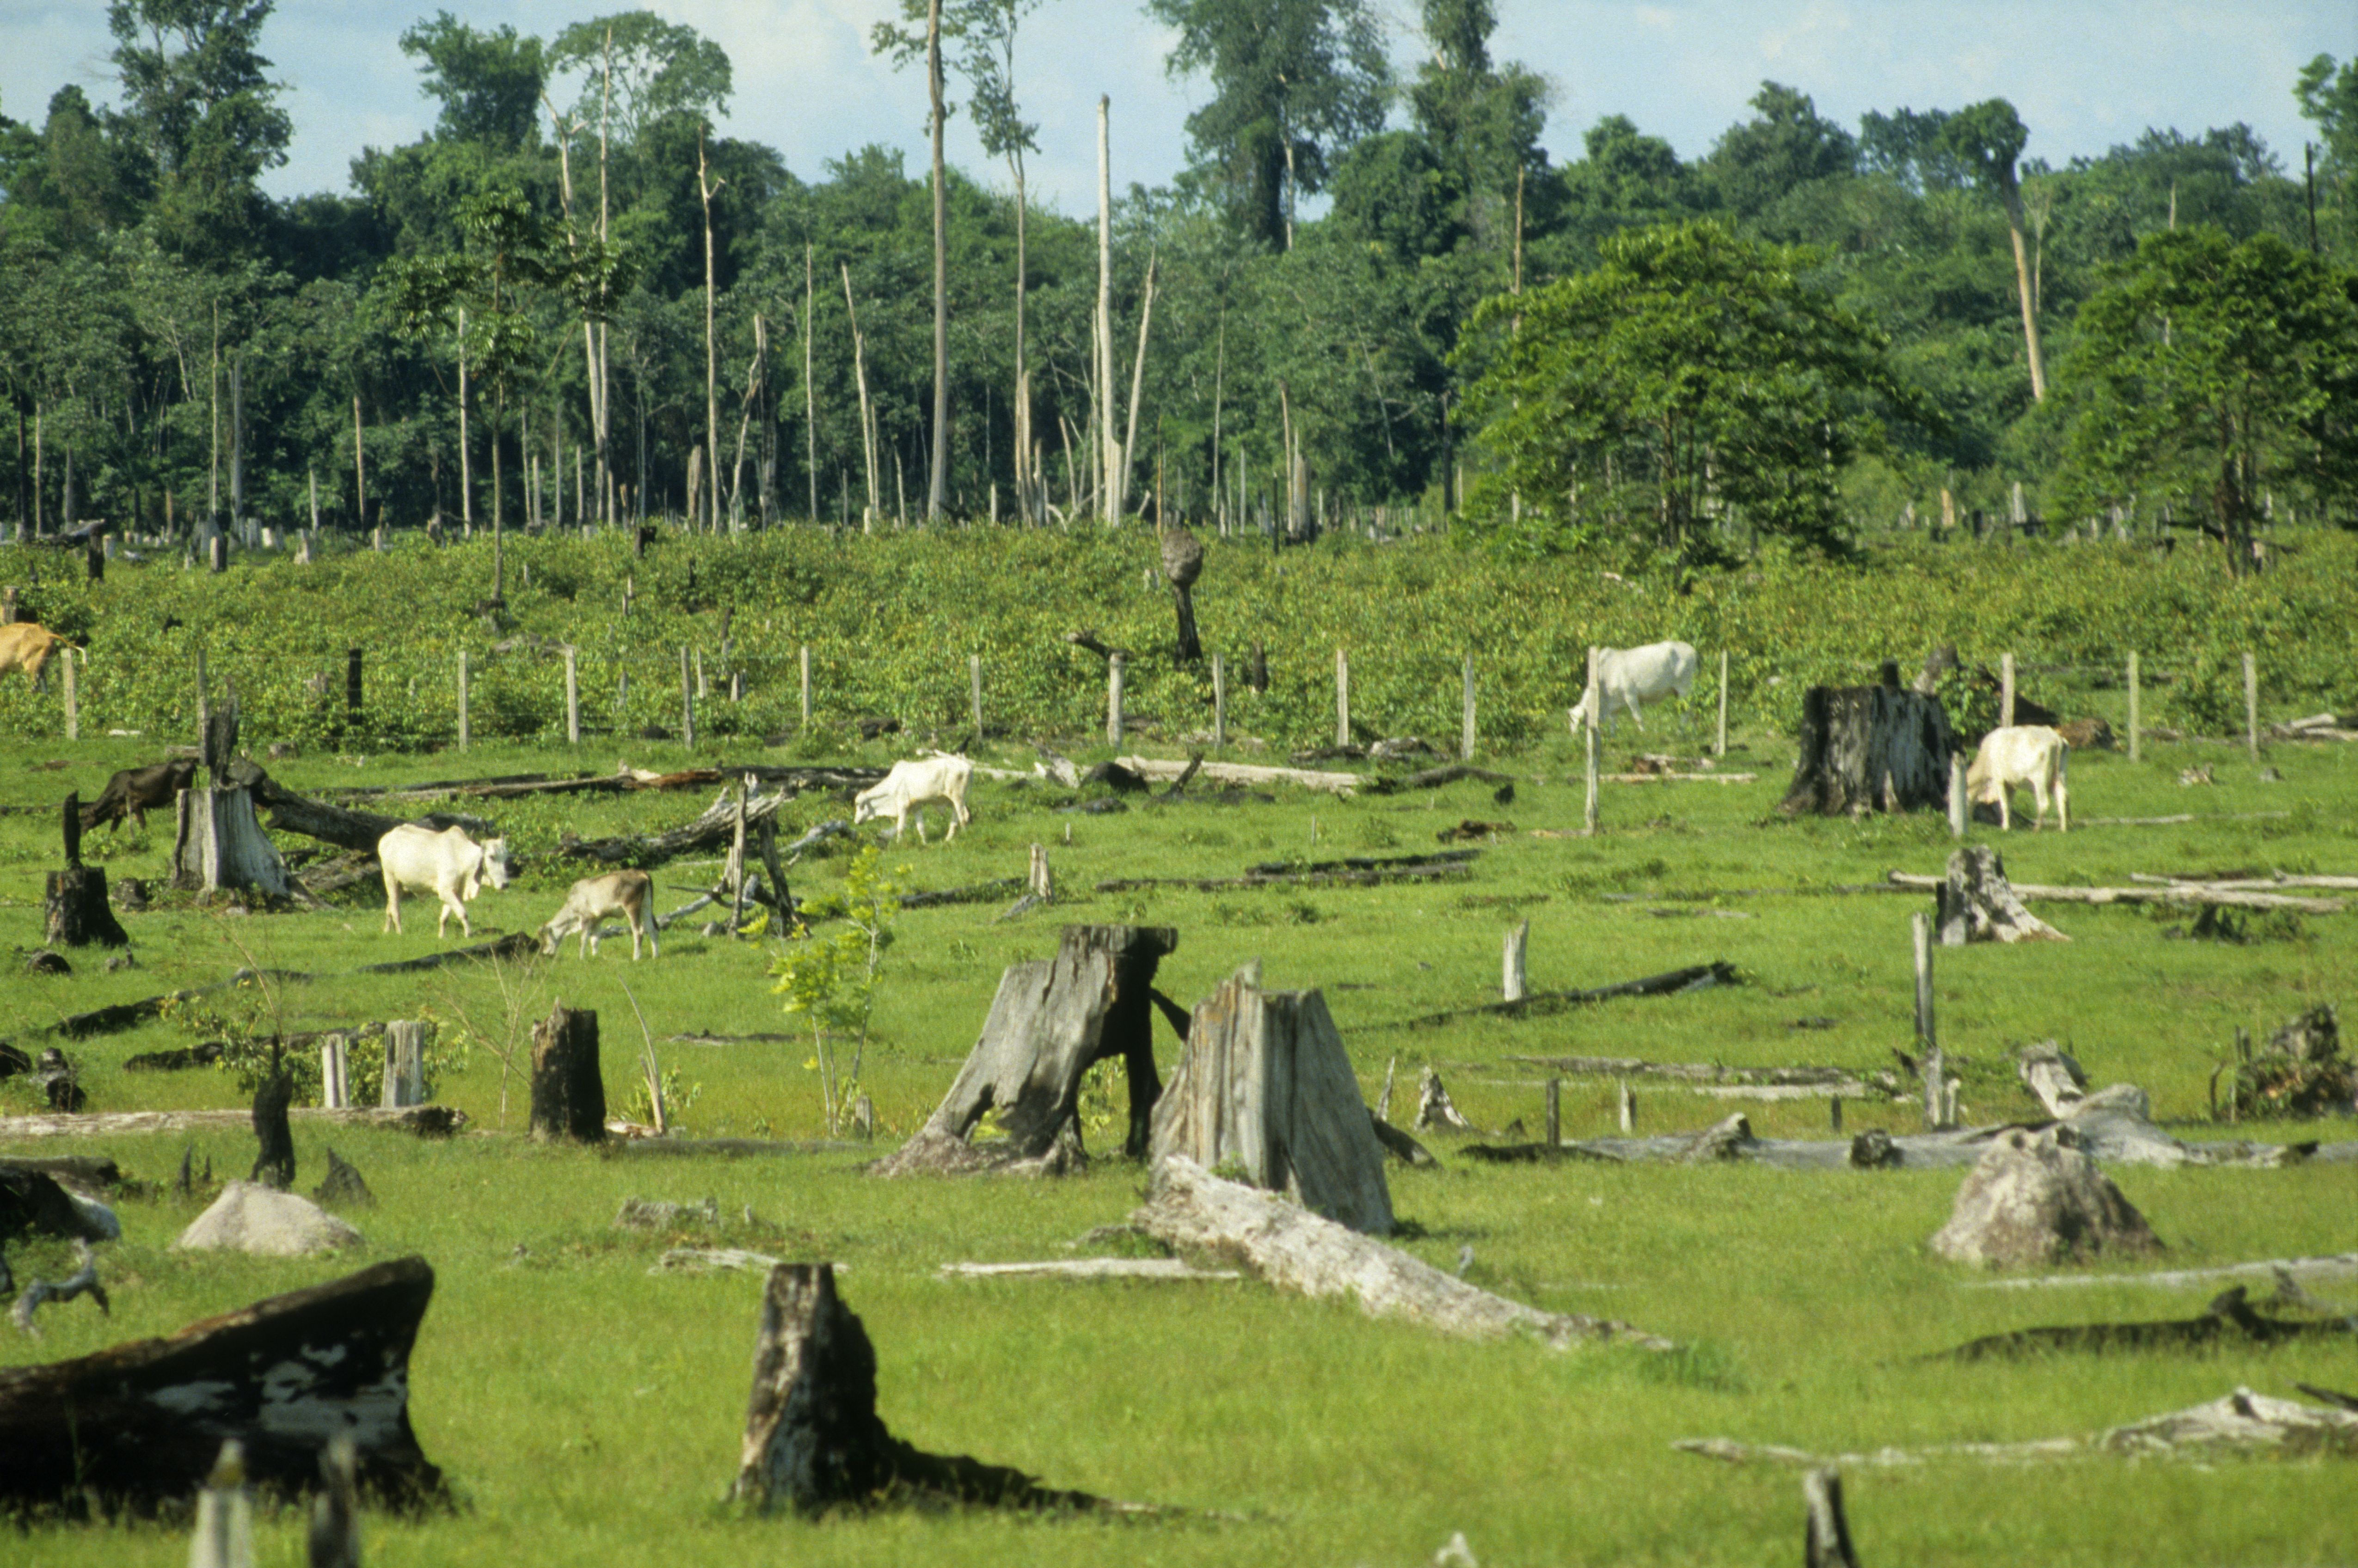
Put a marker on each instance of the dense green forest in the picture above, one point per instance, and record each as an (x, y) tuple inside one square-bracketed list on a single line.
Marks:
[(575, 300)]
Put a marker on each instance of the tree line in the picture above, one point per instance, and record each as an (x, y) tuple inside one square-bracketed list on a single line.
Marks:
[(574, 300)]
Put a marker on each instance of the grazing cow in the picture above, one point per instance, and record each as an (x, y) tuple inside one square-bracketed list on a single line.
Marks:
[(133, 792), (25, 646), (448, 864), (626, 893), (1628, 676), (2029, 754), (910, 786)]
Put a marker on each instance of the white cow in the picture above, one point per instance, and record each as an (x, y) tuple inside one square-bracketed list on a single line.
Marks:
[(1628, 676), (626, 893), (448, 864), (2029, 754), (910, 786)]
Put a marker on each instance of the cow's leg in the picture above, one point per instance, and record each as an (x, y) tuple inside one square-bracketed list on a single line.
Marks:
[(588, 942), (2063, 801), (2004, 808), (918, 810), (1630, 702), (392, 907)]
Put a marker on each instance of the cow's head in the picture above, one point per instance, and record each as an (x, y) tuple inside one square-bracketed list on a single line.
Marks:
[(498, 869), (867, 804)]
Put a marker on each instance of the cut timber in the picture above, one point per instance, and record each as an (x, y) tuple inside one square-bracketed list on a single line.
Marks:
[(1293, 1250), (1976, 903), (425, 1121), (1870, 748), (2340, 1266), (1266, 1084), (140, 1424), (1540, 1004), (1247, 773), (1051, 1021), (813, 1440), (218, 843), (1088, 1269), (568, 1097), (2177, 893)]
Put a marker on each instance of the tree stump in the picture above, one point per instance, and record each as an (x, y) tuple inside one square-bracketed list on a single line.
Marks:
[(1266, 1084), (218, 843), (1976, 903), (1050, 1023), (1866, 748), (569, 1098), (76, 912), (813, 1439), (139, 1424), (405, 1065), (1183, 563), (274, 1164)]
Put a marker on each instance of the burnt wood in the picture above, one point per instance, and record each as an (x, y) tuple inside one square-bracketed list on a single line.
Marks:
[(568, 1097), (1870, 748), (273, 1165)]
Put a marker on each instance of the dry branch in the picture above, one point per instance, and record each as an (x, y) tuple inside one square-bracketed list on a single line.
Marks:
[(2176, 892)]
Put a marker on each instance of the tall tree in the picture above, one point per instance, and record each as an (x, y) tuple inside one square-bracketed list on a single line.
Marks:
[(1988, 139), (197, 100), (1482, 119), (1294, 83), (488, 82), (2328, 96)]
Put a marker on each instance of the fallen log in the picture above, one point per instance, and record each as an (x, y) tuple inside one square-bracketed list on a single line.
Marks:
[(2241, 1420), (1160, 772), (514, 946), (138, 1425), (713, 828), (1088, 1269), (1677, 778), (424, 1120), (726, 1147), (982, 892), (88, 1173), (1542, 1004), (1435, 869), (2250, 885), (2175, 893), (1692, 1072), (2230, 1319), (345, 828), (2107, 1139), (813, 1439), (1290, 1248), (2340, 1266), (705, 1260), (1449, 774)]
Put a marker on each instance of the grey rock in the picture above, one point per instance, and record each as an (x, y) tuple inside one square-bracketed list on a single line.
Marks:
[(2034, 1199), (249, 1217)]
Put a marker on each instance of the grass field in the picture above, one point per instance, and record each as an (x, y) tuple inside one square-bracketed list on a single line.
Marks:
[(588, 1411)]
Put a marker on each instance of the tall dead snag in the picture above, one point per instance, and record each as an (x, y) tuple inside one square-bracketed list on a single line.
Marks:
[(140, 1424), (813, 1439), (1976, 903), (1265, 1083), (1051, 1022), (1295, 1250), (568, 1097), (77, 912), (1870, 748)]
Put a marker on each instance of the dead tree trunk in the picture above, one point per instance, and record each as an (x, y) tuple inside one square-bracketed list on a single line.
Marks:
[(1870, 748), (1183, 563), (813, 1439), (1266, 1084), (77, 910), (1976, 903), (140, 1424), (1050, 1023), (569, 1098), (274, 1164)]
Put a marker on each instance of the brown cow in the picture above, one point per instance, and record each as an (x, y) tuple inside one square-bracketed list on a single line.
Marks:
[(25, 646), (132, 791)]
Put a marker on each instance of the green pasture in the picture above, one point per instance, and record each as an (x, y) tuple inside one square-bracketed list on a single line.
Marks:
[(589, 1412)]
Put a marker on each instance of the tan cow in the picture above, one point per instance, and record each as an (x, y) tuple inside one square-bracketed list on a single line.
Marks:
[(25, 646), (2030, 754), (627, 894)]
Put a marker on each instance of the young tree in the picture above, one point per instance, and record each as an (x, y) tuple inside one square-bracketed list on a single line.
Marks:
[(1988, 139), (1694, 371), (2212, 371), (1293, 84)]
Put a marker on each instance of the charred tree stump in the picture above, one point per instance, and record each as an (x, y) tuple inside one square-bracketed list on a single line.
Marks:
[(76, 913), (274, 1164), (1050, 1023), (139, 1425), (569, 1098), (217, 841), (1183, 563), (1265, 1084), (1826, 1542), (1870, 748), (813, 1439), (1976, 903)]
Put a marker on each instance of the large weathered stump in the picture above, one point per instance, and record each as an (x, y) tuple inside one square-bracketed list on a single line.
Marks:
[(1266, 1084), (813, 1439), (2036, 1199), (1976, 903), (568, 1097), (1051, 1021), (1864, 748), (76, 913), (140, 1424), (273, 1163), (1183, 563), (218, 843)]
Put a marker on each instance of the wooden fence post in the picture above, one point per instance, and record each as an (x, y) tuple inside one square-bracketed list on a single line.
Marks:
[(2136, 717), (463, 727), (1113, 699), (805, 686), (568, 1097), (1928, 1042), (572, 696), (974, 676), (405, 1063), (335, 1076), (1219, 704), (1627, 1107), (1511, 985), (1465, 736), (703, 692), (2005, 691), (1825, 1542), (352, 686), (217, 553), (72, 698), (1342, 697), (1591, 746), (1719, 739), (687, 702), (2250, 704), (1957, 806), (1554, 1112)]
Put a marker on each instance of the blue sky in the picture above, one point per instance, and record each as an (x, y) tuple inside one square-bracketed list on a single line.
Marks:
[(2085, 74)]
